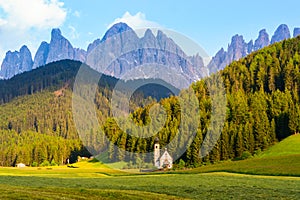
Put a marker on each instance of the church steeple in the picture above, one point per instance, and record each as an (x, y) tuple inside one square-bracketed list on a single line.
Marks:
[(156, 153)]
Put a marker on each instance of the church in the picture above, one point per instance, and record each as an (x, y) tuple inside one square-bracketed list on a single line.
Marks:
[(164, 161)]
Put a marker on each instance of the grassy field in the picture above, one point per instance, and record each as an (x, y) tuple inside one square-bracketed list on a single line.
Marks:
[(91, 180), (281, 159), (227, 180), (29, 184), (289, 146)]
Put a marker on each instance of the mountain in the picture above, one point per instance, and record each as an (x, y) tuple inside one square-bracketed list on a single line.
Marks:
[(59, 48), (262, 40), (41, 55), (36, 107), (262, 99), (238, 48), (16, 62), (281, 33), (296, 32), (262, 107), (122, 54)]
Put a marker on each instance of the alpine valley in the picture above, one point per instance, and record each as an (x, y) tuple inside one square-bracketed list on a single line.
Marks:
[(58, 159), (262, 93)]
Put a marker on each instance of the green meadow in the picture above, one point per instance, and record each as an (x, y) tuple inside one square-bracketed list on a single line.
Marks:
[(274, 174), (63, 183)]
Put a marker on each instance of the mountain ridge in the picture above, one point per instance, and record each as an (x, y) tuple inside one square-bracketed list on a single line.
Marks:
[(239, 48), (126, 50), (187, 68)]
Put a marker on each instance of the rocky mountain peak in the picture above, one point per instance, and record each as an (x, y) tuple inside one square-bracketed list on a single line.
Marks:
[(56, 32), (41, 55), (296, 32), (281, 33), (238, 47), (16, 62), (262, 40), (149, 40), (59, 48), (24, 50), (149, 34), (116, 29)]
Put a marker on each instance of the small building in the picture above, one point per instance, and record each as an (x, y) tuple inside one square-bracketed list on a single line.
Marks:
[(164, 161), (20, 165)]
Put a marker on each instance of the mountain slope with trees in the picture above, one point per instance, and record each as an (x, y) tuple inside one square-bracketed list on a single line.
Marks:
[(263, 107)]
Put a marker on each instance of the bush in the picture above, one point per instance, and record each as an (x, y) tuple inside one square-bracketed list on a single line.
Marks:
[(45, 163), (257, 152), (34, 164), (245, 155), (181, 164)]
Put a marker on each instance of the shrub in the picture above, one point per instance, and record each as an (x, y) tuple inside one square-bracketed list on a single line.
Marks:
[(45, 163), (181, 164), (34, 164), (245, 155)]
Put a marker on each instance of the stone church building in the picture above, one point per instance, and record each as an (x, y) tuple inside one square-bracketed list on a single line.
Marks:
[(163, 161)]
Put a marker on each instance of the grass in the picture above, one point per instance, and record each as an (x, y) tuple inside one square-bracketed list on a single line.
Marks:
[(282, 159), (289, 146), (167, 186), (273, 166), (94, 180)]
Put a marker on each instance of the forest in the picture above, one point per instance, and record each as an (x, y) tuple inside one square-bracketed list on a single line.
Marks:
[(263, 107)]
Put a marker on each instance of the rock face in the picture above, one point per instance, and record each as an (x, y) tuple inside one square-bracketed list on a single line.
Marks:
[(80, 55), (262, 40), (60, 48), (41, 55), (296, 32), (238, 48), (281, 33), (122, 54), (116, 29), (16, 62)]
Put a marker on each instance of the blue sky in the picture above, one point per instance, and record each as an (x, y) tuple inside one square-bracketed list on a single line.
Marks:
[(209, 23)]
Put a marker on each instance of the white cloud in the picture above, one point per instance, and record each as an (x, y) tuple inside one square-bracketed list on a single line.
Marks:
[(73, 32), (28, 22), (33, 13), (137, 21)]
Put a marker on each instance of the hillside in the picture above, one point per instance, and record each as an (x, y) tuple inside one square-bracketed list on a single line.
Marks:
[(281, 159), (288, 146), (262, 92), (263, 107), (36, 121)]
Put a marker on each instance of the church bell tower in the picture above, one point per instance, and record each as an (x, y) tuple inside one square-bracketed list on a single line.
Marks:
[(156, 153)]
